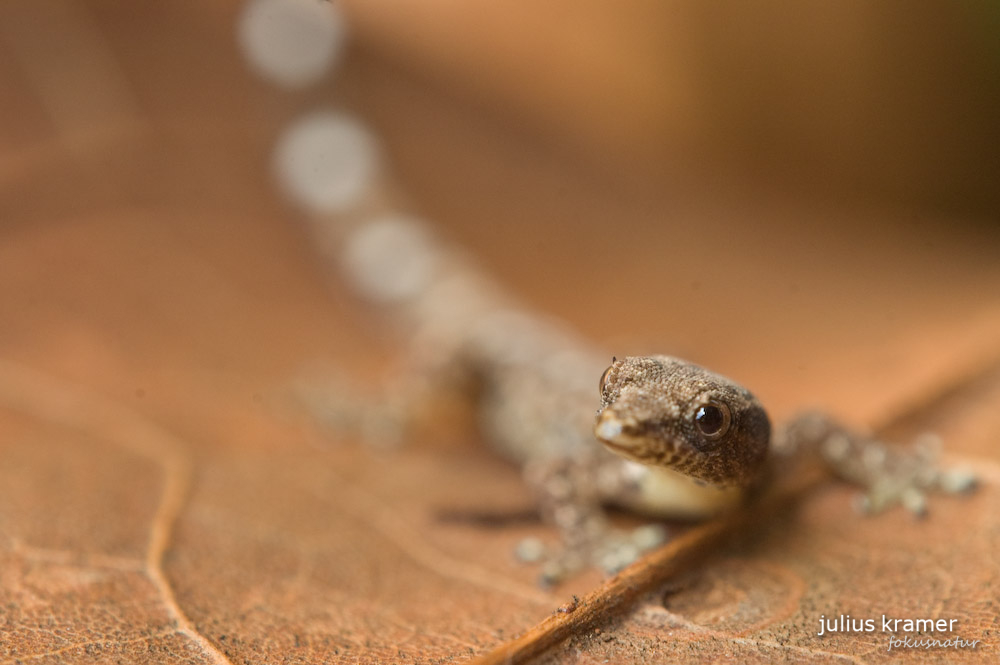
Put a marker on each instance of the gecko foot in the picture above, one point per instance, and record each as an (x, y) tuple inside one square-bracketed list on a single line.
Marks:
[(610, 552)]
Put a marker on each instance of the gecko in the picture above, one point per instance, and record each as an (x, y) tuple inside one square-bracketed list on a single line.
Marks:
[(670, 439)]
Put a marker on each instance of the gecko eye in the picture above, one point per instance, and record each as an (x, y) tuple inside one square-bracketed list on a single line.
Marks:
[(713, 419), (604, 378)]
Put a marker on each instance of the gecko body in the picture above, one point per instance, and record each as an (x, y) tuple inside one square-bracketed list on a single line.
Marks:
[(671, 439)]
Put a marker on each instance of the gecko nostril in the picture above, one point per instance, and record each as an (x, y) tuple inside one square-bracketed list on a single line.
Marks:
[(609, 428)]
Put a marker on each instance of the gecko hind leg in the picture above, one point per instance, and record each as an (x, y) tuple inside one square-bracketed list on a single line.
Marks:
[(336, 404)]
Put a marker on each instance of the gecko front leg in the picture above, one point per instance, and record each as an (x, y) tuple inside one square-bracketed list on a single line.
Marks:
[(571, 494), (888, 475)]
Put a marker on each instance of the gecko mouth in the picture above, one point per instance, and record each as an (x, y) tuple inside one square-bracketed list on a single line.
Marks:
[(615, 446)]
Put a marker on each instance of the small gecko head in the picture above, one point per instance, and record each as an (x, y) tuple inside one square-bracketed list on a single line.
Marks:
[(664, 412)]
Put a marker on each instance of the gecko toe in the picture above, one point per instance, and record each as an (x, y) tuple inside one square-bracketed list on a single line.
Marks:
[(957, 481)]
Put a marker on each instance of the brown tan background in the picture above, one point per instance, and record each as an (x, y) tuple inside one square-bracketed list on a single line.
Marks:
[(802, 198)]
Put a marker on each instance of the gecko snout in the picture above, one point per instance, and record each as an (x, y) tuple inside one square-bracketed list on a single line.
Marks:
[(614, 432)]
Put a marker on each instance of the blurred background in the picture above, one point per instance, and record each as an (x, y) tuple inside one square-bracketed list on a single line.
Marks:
[(809, 189), (895, 103)]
